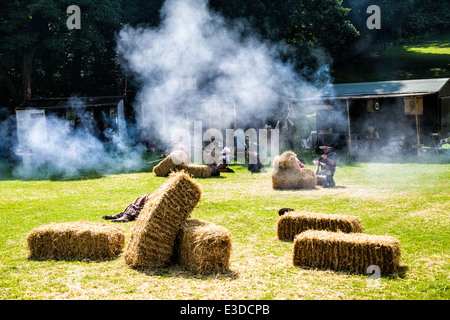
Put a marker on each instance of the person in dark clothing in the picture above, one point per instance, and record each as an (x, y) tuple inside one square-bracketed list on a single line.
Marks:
[(251, 151), (327, 165), (131, 212)]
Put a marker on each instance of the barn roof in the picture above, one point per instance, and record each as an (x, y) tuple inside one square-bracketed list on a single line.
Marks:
[(80, 102), (387, 88)]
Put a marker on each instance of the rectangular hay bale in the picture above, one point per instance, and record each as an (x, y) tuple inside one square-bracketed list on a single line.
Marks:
[(292, 223), (196, 170), (76, 241), (340, 251), (203, 247), (152, 239), (170, 163)]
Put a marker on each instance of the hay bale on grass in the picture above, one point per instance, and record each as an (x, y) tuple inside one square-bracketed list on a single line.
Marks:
[(196, 170), (203, 247), (167, 165), (152, 239), (293, 223), (76, 241), (353, 252), (287, 174)]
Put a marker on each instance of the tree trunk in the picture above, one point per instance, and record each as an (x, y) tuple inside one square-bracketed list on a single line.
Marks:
[(6, 78)]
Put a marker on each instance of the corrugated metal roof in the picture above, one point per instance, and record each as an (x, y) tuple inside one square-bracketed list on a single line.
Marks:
[(385, 88), (80, 102)]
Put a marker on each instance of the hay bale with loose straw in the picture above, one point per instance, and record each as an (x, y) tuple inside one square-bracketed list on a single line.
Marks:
[(76, 241), (203, 247), (287, 174), (340, 251), (152, 239), (196, 170), (295, 222), (167, 165)]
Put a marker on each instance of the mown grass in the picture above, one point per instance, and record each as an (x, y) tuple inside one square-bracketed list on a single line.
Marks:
[(414, 59), (409, 201)]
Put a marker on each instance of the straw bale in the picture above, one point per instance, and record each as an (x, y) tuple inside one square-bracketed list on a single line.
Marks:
[(292, 223), (196, 170), (287, 174), (340, 251), (167, 165), (76, 241), (152, 239), (203, 247)]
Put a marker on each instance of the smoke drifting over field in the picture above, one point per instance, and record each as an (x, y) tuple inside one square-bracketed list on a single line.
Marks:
[(194, 48)]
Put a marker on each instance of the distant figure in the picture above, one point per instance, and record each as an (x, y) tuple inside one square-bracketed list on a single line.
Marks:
[(326, 166), (372, 138), (131, 212), (177, 145), (224, 160), (287, 128), (251, 151)]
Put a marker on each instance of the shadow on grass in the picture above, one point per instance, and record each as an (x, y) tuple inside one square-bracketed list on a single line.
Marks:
[(178, 271), (401, 272)]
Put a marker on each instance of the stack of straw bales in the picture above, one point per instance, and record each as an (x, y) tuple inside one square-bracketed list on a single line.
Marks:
[(76, 241), (153, 237), (287, 174), (170, 163), (196, 170), (203, 247), (292, 223), (353, 252)]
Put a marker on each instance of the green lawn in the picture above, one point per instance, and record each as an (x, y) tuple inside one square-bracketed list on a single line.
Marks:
[(414, 59), (408, 201)]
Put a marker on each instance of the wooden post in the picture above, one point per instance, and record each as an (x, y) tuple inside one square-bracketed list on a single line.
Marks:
[(417, 130), (349, 131)]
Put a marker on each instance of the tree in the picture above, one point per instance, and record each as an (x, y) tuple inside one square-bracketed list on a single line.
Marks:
[(37, 46)]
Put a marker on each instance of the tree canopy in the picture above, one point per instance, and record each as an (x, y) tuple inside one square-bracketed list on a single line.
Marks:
[(38, 47)]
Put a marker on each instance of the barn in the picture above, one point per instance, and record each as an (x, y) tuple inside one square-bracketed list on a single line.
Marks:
[(408, 115), (94, 114)]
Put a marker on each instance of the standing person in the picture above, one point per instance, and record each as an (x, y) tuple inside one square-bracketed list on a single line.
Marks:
[(287, 128), (372, 138), (327, 165), (251, 151)]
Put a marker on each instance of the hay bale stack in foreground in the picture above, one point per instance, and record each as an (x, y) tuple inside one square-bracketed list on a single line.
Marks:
[(196, 170), (203, 247), (76, 241), (292, 223), (353, 252), (287, 174), (153, 237), (176, 158)]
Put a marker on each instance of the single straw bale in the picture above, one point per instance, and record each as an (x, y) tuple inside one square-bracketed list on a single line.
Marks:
[(167, 165), (203, 247), (76, 241), (196, 170), (152, 239), (294, 222), (340, 251), (287, 174)]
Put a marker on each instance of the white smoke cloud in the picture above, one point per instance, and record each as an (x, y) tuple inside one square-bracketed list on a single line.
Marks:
[(58, 149), (194, 43)]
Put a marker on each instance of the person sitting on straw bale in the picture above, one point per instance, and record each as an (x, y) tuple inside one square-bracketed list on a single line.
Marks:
[(326, 166), (131, 212)]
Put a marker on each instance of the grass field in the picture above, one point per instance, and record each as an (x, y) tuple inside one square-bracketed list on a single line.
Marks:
[(409, 201), (413, 59)]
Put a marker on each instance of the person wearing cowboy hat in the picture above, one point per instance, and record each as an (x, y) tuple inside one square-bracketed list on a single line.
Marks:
[(327, 163)]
